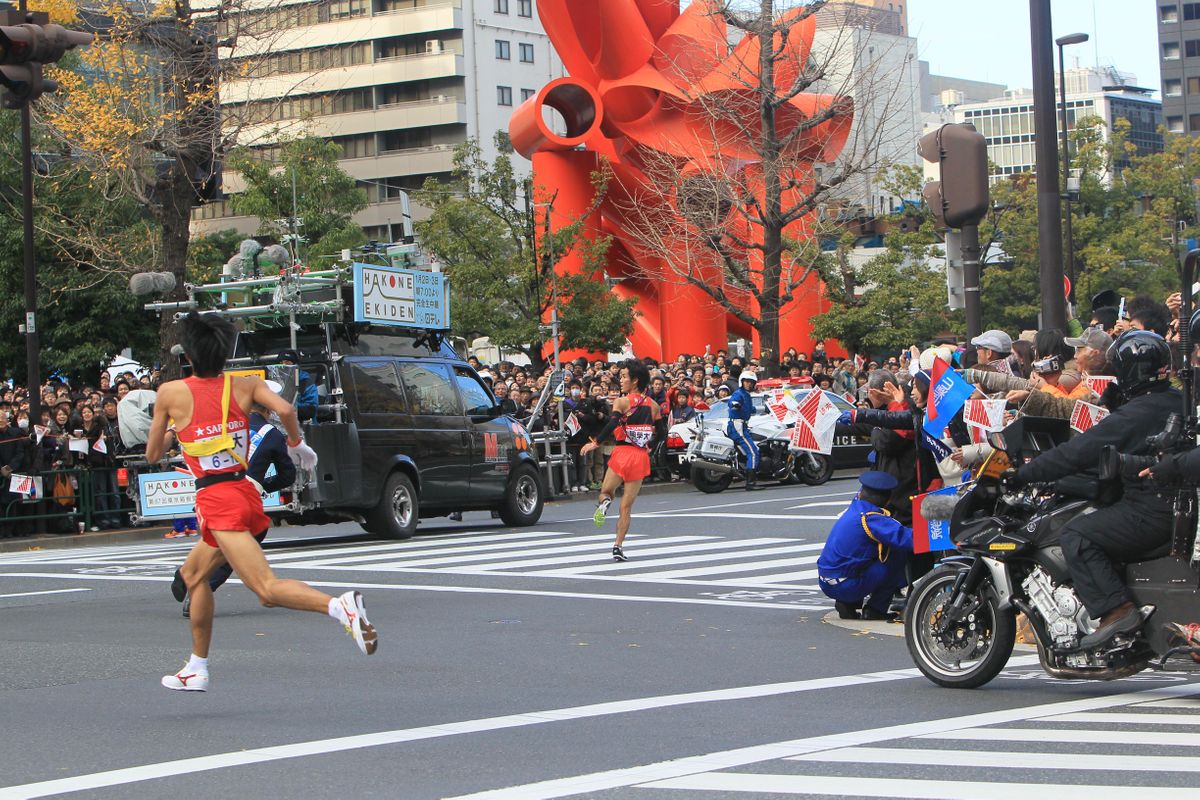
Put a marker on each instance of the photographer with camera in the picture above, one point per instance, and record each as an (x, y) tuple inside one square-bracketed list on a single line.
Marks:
[(1140, 522)]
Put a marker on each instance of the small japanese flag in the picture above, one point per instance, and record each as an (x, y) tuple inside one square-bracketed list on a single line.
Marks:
[(1086, 416), (100, 446)]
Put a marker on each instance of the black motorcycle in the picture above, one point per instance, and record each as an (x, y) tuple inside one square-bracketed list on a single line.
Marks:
[(960, 623)]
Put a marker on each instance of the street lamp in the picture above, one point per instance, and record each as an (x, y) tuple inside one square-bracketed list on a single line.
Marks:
[(1063, 41)]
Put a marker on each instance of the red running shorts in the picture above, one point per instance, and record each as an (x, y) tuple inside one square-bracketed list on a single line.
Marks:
[(630, 462), (230, 506)]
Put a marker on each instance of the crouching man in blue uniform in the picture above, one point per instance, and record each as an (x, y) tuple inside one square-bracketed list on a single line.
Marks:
[(866, 552)]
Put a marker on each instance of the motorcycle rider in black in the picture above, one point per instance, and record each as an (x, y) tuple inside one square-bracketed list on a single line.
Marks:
[(1140, 523)]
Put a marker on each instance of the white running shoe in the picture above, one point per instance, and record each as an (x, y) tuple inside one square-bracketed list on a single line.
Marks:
[(357, 625), (184, 681)]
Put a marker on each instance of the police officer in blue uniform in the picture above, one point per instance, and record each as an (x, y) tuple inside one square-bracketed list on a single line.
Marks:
[(866, 552), (741, 409)]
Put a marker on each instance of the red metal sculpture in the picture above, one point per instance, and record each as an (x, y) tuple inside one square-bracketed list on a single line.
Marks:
[(640, 75)]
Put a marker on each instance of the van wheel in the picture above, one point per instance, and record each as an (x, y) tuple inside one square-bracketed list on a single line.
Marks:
[(396, 515), (523, 500)]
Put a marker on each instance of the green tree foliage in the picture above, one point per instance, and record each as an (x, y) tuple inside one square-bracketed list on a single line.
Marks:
[(326, 197), (208, 253), (1123, 224), (86, 314), (902, 302), (501, 274)]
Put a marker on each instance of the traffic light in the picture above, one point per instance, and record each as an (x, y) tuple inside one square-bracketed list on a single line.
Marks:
[(961, 197), (27, 41)]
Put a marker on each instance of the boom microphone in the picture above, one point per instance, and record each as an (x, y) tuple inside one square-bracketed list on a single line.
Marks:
[(151, 283), (177, 350), (938, 506)]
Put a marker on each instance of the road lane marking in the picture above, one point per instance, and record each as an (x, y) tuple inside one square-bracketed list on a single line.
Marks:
[(727, 515), (1128, 719), (578, 544), (757, 501), (841, 786), (749, 566), (47, 591), (701, 553), (1073, 736), (660, 774), (187, 766), (1021, 759), (462, 590)]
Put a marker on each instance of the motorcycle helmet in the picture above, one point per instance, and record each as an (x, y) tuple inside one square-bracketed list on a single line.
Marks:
[(1141, 361), (747, 375)]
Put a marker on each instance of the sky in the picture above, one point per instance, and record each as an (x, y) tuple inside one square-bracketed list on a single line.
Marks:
[(988, 40)]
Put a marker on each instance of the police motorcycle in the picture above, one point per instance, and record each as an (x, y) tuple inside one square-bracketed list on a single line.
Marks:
[(960, 621), (716, 461)]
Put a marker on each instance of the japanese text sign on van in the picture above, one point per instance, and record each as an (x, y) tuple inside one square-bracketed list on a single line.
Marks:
[(401, 297)]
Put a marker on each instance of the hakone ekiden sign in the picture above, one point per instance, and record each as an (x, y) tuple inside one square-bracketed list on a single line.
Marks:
[(404, 298), (166, 495)]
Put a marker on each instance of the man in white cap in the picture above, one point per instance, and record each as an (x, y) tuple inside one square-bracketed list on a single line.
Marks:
[(741, 409), (993, 347)]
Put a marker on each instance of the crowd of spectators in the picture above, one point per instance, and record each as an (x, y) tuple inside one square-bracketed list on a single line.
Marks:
[(75, 446)]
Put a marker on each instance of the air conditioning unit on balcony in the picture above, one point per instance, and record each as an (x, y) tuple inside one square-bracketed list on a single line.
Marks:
[(439, 98), (433, 45)]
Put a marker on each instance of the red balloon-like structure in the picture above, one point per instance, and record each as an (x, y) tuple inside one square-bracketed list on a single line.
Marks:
[(642, 77)]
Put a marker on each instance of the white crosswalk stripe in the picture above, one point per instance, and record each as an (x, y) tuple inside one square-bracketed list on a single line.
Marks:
[(1030, 760), (697, 559)]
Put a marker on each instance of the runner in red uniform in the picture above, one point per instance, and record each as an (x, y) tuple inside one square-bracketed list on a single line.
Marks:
[(214, 433), (632, 425)]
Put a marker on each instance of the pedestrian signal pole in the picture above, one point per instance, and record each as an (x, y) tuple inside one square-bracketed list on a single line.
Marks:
[(28, 41), (960, 200)]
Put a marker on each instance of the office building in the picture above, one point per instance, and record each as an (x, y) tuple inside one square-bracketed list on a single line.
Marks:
[(397, 84), (1007, 122), (1179, 65)]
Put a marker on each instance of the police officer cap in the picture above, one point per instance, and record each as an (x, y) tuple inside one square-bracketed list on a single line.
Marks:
[(748, 376), (878, 481)]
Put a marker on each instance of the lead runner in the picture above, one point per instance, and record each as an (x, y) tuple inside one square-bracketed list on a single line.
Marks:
[(214, 434), (632, 425)]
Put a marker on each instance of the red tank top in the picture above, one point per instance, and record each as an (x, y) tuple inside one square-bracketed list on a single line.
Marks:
[(206, 425), (638, 427)]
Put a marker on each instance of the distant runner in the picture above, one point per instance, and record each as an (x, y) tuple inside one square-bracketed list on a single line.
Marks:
[(632, 424), (214, 434)]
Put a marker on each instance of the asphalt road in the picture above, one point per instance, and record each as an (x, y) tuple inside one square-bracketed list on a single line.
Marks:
[(526, 664)]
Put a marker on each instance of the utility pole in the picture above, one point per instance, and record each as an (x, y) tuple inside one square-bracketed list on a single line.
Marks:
[(27, 42), (1069, 265), (1050, 242)]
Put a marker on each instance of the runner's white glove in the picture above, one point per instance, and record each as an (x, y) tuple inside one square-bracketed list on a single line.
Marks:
[(302, 455)]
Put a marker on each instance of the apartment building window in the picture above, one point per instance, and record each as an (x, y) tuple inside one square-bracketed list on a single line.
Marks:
[(503, 51), (504, 95), (501, 6), (1175, 124), (526, 54), (1194, 122), (1168, 14), (1193, 86), (348, 8), (1191, 11), (1191, 48), (527, 93), (525, 8), (1173, 87), (1170, 51)]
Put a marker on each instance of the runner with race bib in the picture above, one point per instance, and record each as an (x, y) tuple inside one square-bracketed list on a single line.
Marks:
[(632, 426)]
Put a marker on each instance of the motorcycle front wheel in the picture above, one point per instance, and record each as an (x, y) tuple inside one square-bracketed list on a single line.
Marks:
[(961, 654), (813, 469)]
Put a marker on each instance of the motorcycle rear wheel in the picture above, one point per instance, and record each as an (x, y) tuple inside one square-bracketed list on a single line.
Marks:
[(710, 482), (967, 653)]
